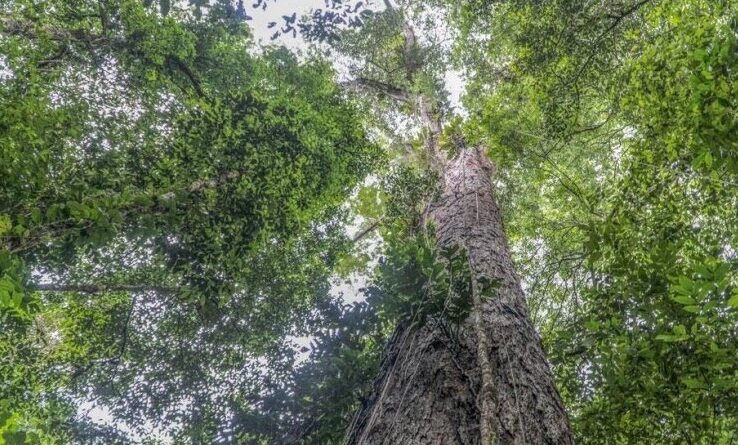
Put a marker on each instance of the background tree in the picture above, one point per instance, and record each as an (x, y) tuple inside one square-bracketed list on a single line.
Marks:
[(170, 202)]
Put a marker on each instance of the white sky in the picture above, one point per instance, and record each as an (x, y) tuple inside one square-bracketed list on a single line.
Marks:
[(273, 13), (275, 10)]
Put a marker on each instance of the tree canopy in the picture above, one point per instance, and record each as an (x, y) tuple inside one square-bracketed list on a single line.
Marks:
[(159, 179), (177, 204), (625, 112)]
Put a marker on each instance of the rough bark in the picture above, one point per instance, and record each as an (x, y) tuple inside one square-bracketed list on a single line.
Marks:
[(432, 388)]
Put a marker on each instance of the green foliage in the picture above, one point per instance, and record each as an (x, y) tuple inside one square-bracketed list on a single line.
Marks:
[(330, 385), (613, 128), (408, 191), (682, 90), (370, 203), (389, 60), (172, 209), (176, 191), (417, 282)]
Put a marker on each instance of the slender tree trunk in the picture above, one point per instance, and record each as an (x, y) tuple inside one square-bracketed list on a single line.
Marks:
[(485, 381)]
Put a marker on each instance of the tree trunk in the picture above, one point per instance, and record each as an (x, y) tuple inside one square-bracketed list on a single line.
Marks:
[(485, 381)]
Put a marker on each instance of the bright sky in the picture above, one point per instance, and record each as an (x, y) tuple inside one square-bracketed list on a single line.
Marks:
[(275, 10), (273, 13)]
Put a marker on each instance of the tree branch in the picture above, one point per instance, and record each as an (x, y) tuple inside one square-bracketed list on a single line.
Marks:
[(184, 69), (616, 21), (65, 39), (92, 288), (409, 51), (59, 228), (391, 91), (366, 231), (28, 29)]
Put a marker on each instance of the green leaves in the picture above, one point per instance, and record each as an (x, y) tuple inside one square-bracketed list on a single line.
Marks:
[(15, 303), (688, 110), (369, 203), (416, 282), (692, 383), (615, 134), (183, 196), (5, 224), (11, 295), (679, 335), (733, 300), (683, 299)]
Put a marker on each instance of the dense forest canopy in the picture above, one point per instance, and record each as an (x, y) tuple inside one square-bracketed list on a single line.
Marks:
[(205, 239)]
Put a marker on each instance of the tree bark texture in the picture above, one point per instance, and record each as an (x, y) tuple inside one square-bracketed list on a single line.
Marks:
[(437, 385)]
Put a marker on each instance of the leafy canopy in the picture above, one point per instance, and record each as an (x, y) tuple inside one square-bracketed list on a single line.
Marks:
[(169, 212)]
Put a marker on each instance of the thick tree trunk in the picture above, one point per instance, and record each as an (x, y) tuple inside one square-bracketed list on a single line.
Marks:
[(487, 377)]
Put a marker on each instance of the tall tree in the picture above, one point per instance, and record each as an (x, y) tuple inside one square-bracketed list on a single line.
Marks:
[(639, 151), (485, 379), (172, 208)]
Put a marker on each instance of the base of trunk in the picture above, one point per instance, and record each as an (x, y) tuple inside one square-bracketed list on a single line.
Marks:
[(428, 391)]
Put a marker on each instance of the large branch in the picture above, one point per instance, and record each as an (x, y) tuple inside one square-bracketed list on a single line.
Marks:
[(188, 73), (92, 42), (391, 91), (430, 117), (13, 27), (96, 288), (359, 236), (59, 228), (409, 51), (204, 184)]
